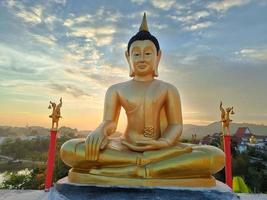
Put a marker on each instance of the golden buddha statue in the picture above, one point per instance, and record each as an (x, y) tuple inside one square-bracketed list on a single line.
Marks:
[(149, 152)]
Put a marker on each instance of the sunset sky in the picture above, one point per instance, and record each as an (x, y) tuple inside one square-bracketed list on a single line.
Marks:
[(74, 49)]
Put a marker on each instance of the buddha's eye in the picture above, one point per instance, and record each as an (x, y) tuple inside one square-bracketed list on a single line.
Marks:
[(136, 54), (148, 53)]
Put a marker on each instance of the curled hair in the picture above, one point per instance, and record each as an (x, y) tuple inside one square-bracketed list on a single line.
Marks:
[(143, 35)]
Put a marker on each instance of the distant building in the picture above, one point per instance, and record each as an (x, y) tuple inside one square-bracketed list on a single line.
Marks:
[(209, 139), (206, 140), (244, 138), (194, 139)]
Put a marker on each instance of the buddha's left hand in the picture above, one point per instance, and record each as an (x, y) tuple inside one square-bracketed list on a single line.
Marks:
[(146, 145)]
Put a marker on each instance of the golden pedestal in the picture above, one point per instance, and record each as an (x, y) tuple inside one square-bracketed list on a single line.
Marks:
[(82, 178)]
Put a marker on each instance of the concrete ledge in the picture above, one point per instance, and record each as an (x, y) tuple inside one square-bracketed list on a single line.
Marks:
[(24, 195), (41, 195), (67, 191)]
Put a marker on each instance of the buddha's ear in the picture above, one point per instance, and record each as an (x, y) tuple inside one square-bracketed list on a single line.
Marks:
[(157, 64), (127, 55)]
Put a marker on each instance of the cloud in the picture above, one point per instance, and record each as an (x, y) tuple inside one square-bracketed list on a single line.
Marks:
[(63, 2), (87, 26), (68, 89), (93, 57), (192, 18), (193, 21), (23, 64), (73, 57), (100, 35), (21, 83), (201, 25), (224, 5), (29, 14), (25, 90), (49, 40), (77, 47), (138, 2), (102, 14), (13, 4), (112, 16), (102, 40), (33, 14), (18, 69), (103, 75), (50, 19), (84, 53), (257, 54), (163, 4), (159, 26), (122, 45), (139, 14), (78, 20), (82, 57)]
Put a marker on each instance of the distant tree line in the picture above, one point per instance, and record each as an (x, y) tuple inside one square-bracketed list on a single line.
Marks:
[(253, 172), (35, 150)]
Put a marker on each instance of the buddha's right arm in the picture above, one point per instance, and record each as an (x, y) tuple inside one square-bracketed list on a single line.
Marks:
[(97, 139), (111, 112), (174, 117), (112, 109)]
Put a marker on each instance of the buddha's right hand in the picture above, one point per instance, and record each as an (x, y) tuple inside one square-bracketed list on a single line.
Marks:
[(93, 144)]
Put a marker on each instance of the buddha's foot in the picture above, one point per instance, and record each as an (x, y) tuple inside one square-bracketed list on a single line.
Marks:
[(129, 171)]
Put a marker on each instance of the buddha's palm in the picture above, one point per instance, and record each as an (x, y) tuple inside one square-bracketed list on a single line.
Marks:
[(146, 145)]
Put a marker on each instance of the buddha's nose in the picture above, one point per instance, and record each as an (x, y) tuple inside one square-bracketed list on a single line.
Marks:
[(142, 58)]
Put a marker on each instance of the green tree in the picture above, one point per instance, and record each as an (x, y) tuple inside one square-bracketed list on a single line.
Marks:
[(15, 180)]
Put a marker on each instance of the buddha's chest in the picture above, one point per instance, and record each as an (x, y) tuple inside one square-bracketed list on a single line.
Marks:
[(136, 98)]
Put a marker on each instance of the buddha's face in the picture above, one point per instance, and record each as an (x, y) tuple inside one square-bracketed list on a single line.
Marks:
[(143, 58)]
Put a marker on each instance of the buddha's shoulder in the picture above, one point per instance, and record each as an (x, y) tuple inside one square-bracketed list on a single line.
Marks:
[(119, 86), (167, 86)]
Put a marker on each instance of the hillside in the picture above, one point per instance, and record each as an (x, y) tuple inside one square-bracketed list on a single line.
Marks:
[(215, 127), (189, 129), (9, 131)]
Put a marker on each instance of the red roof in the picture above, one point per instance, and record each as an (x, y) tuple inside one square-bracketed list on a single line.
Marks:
[(241, 131)]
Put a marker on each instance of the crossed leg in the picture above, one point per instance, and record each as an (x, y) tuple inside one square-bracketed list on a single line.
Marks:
[(203, 161), (173, 162)]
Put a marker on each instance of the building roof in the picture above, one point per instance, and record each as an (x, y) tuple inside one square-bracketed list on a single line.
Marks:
[(242, 132)]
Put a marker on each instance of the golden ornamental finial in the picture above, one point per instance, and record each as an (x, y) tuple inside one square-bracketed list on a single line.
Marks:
[(55, 113), (225, 118), (144, 26)]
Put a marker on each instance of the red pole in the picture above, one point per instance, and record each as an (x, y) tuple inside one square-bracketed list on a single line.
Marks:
[(50, 160), (228, 160)]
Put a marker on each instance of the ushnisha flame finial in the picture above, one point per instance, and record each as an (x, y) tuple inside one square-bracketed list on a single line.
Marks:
[(143, 26)]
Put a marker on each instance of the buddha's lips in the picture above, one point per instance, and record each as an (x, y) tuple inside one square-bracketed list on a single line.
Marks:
[(143, 66)]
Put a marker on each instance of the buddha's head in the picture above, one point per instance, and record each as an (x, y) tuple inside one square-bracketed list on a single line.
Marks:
[(143, 52)]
